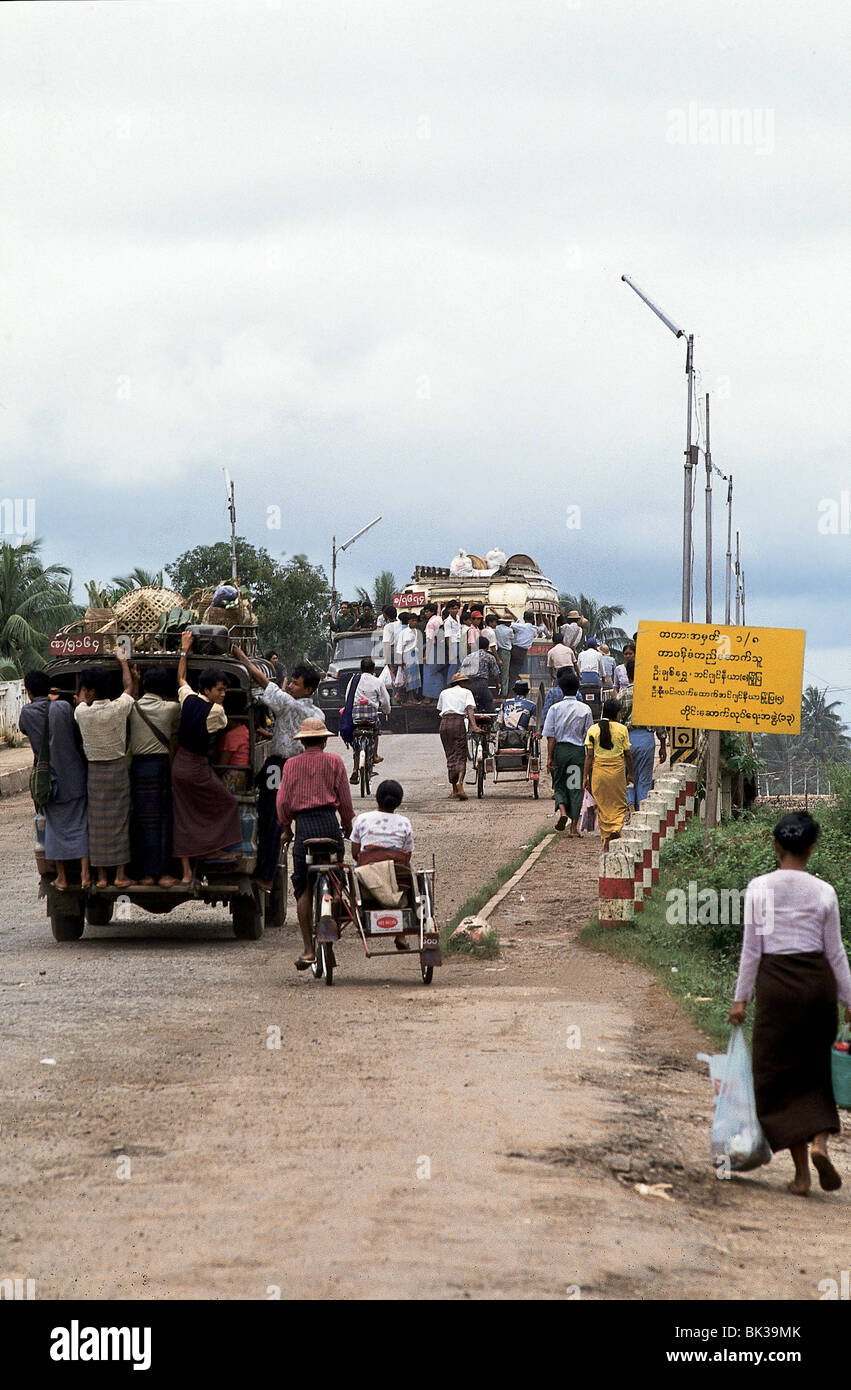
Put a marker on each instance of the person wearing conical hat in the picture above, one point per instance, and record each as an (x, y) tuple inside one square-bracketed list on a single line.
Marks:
[(314, 790)]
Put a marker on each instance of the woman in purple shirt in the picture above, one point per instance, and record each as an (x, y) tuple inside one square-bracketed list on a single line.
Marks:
[(792, 950)]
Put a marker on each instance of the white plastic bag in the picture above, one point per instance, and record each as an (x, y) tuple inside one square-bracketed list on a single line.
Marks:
[(737, 1137)]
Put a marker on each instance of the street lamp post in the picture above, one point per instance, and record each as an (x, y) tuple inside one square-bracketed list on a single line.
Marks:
[(338, 550), (690, 450)]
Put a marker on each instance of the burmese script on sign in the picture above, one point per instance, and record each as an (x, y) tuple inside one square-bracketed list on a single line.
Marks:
[(702, 676)]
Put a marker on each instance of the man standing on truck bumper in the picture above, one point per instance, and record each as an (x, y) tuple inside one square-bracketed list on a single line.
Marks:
[(291, 704)]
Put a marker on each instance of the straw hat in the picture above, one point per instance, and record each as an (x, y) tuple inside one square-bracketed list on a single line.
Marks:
[(573, 616), (314, 728), (459, 678)]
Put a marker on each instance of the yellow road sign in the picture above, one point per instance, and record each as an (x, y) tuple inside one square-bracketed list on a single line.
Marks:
[(699, 676)]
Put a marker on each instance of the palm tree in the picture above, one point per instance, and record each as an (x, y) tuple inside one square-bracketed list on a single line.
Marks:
[(383, 589), (34, 602), (821, 728), (137, 579), (599, 617)]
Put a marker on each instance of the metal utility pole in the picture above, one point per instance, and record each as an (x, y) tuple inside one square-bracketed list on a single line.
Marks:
[(708, 455), (232, 515), (688, 484), (690, 450), (727, 586), (744, 619), (738, 588), (713, 750)]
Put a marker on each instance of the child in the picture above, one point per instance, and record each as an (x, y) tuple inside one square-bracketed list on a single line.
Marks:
[(382, 834)]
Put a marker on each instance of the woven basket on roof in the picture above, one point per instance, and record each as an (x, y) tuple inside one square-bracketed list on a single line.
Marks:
[(239, 614), (140, 610)]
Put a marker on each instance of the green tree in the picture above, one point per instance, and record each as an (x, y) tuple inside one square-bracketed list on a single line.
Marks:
[(290, 599), (35, 600), (599, 617), (791, 759)]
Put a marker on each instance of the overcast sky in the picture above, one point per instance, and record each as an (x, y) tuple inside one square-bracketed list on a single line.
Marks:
[(368, 256)]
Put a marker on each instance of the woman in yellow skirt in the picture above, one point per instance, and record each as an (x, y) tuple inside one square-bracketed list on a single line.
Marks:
[(608, 770)]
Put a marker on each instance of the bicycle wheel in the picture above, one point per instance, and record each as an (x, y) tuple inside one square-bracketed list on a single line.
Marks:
[(317, 968), (328, 961), (480, 773)]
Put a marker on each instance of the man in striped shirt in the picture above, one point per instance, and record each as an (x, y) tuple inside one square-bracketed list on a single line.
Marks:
[(314, 789)]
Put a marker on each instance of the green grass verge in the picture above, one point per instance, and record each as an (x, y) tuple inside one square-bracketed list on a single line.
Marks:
[(486, 950)]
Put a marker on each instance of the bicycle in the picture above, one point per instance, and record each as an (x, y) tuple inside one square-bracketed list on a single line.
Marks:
[(481, 757), (364, 748)]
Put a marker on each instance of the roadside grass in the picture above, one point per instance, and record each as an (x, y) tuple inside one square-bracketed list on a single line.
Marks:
[(697, 961), (490, 947)]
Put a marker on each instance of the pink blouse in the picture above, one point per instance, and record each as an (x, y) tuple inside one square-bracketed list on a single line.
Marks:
[(789, 911)]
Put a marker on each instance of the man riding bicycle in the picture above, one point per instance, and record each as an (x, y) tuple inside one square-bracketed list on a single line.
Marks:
[(366, 697)]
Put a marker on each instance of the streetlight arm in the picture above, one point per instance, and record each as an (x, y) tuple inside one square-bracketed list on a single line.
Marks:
[(358, 534), (669, 323)]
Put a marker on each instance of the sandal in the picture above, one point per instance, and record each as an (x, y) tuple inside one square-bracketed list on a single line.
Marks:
[(829, 1179), (305, 962)]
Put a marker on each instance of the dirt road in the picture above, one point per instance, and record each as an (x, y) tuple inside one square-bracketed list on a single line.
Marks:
[(215, 1125)]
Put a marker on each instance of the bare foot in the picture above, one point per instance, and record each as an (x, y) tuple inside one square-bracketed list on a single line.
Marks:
[(166, 881), (125, 883), (147, 880), (798, 1189), (186, 881), (86, 882), (829, 1179), (101, 883), (61, 886)]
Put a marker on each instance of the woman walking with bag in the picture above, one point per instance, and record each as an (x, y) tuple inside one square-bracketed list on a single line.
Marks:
[(792, 951)]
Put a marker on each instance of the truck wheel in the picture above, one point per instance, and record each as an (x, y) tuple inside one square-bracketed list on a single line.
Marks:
[(276, 906), (66, 926), (99, 911), (247, 918)]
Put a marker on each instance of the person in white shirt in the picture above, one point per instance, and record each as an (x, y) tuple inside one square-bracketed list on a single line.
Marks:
[(102, 722), (560, 658), (408, 649), (620, 679), (591, 669), (452, 633), (792, 951), (522, 636), (369, 699), (380, 835), (390, 632), (457, 709)]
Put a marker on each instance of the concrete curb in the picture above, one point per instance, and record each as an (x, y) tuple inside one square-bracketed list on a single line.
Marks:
[(12, 783), (506, 888)]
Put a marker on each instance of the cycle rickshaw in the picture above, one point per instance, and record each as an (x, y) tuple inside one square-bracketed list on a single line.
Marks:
[(338, 899)]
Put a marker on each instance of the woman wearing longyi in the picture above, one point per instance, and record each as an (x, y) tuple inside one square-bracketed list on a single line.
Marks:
[(792, 950)]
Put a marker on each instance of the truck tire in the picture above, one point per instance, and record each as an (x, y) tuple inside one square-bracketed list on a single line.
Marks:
[(66, 926), (99, 911), (247, 918)]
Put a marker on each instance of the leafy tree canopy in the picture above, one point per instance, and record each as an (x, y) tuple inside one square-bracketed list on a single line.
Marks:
[(290, 598)]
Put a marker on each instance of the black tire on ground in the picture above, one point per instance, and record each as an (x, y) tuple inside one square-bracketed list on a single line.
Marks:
[(535, 789), (67, 926), (427, 973), (317, 969), (364, 779), (276, 903), (480, 775), (247, 918), (99, 911), (328, 961)]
